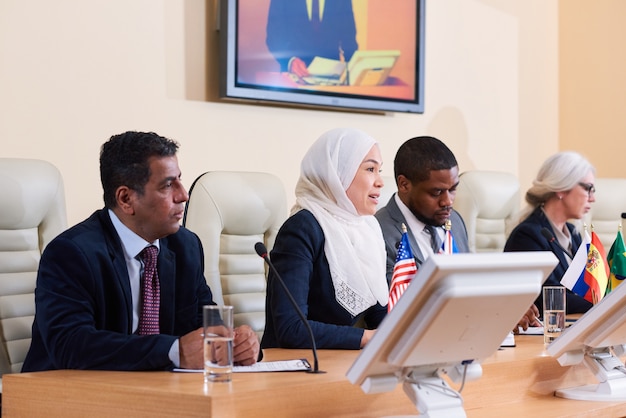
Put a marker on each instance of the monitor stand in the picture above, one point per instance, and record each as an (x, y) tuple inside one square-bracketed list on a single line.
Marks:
[(610, 372), (431, 394)]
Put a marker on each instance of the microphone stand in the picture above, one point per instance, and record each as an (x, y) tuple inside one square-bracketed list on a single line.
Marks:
[(261, 250)]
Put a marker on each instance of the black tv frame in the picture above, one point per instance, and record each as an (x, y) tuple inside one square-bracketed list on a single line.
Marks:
[(231, 88)]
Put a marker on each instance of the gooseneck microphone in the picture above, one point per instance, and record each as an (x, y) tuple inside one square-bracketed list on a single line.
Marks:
[(260, 249), (552, 240)]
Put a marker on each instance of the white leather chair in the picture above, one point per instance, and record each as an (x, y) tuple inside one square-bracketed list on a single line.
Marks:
[(606, 211), (231, 212), (488, 201), (32, 213)]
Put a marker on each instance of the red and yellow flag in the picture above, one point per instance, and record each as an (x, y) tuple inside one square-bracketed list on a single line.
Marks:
[(597, 270)]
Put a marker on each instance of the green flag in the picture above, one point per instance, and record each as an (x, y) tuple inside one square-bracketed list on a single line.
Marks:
[(617, 262)]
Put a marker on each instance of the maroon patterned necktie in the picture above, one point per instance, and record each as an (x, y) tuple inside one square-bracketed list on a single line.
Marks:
[(149, 318)]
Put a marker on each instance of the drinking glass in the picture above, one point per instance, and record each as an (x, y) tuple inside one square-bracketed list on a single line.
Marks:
[(218, 343), (553, 312)]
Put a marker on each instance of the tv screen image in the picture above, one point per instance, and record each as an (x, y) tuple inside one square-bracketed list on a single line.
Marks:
[(363, 55), (454, 314)]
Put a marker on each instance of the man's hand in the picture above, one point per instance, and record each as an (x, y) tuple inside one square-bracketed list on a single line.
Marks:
[(298, 67), (246, 346), (530, 319), (190, 347)]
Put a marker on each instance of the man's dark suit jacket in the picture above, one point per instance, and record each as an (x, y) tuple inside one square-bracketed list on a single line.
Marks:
[(527, 236), (391, 219), (83, 301), (291, 34)]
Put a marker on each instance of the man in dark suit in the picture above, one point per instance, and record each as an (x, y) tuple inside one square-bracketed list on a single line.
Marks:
[(88, 298), (427, 176), (299, 30)]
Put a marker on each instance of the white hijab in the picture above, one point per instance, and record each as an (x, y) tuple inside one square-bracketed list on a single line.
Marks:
[(354, 244)]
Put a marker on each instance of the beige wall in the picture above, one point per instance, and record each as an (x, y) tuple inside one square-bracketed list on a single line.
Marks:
[(74, 72), (592, 97)]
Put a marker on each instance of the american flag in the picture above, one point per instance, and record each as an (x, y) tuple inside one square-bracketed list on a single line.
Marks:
[(403, 271)]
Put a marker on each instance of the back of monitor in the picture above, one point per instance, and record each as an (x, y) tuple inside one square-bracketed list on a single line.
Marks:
[(598, 340), (454, 314)]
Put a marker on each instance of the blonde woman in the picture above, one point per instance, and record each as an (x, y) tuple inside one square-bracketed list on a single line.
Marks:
[(563, 190)]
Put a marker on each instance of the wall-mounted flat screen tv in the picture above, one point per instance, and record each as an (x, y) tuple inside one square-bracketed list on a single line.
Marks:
[(352, 54)]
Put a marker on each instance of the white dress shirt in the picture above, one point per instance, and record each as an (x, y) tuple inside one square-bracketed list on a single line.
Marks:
[(133, 244)]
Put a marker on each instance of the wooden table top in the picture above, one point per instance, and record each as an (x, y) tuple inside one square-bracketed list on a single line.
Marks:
[(517, 381)]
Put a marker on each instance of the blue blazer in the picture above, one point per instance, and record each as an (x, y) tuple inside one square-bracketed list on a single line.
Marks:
[(83, 301), (299, 257), (391, 219), (527, 237), (291, 34)]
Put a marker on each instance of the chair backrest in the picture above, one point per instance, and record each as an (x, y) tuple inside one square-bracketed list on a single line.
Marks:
[(32, 213), (231, 212), (606, 211), (488, 201)]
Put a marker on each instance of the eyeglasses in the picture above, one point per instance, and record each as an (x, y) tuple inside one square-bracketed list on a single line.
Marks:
[(589, 188)]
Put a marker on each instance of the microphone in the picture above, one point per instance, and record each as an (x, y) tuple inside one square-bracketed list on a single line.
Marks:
[(552, 240), (261, 250), (623, 215)]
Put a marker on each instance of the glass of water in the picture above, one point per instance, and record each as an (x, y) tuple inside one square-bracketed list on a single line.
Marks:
[(218, 343), (553, 312)]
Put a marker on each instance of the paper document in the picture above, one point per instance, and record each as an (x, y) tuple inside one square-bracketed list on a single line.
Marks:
[(325, 72), (531, 331), (264, 366), (509, 340), (539, 330), (325, 67)]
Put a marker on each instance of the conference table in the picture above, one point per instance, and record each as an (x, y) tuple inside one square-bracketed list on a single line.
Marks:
[(516, 382)]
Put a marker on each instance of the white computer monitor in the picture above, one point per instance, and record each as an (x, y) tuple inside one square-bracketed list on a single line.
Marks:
[(454, 314), (597, 339)]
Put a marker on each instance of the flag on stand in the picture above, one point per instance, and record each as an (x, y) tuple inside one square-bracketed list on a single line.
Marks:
[(587, 273), (597, 270), (617, 262), (596, 241), (448, 246), (574, 277), (403, 271)]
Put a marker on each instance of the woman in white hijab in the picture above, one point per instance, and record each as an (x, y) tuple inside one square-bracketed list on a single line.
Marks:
[(330, 252)]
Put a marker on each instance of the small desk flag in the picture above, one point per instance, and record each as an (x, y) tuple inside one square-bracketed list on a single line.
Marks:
[(403, 271), (448, 246), (573, 279), (617, 262), (586, 275), (596, 271)]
